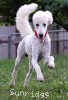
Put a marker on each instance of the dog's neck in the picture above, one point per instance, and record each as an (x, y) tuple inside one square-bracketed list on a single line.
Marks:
[(38, 36)]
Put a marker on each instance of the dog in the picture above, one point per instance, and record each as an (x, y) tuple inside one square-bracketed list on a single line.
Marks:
[(34, 42)]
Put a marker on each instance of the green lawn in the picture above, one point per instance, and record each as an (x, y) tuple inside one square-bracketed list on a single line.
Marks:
[(55, 86)]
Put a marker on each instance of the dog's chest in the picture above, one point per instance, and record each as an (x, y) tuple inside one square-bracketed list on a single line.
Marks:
[(33, 45), (41, 46), (38, 46)]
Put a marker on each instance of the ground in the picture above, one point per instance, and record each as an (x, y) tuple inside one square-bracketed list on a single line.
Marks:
[(55, 86)]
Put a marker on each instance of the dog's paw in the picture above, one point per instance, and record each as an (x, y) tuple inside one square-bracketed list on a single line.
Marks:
[(51, 65), (12, 84), (40, 78)]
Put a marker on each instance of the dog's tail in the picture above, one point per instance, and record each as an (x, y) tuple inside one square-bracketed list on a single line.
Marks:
[(22, 19)]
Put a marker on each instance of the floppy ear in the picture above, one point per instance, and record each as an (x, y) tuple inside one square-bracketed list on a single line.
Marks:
[(49, 17)]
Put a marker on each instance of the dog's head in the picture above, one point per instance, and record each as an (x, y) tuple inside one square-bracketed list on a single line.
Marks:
[(41, 20)]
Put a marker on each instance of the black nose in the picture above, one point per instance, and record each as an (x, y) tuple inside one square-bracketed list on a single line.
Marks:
[(40, 35)]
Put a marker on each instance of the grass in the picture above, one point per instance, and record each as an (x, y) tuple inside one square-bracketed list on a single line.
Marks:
[(55, 87), (1, 23)]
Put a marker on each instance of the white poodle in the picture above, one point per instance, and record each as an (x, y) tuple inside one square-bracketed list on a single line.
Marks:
[(34, 42)]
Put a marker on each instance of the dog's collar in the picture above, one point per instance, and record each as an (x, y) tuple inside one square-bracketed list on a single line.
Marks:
[(38, 36)]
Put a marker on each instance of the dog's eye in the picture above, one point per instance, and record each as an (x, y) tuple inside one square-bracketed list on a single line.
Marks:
[(44, 24), (37, 25)]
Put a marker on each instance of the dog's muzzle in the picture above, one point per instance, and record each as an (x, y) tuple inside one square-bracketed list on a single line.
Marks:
[(40, 37)]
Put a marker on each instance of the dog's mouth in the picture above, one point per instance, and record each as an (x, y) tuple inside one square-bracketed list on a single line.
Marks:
[(41, 39), (40, 36)]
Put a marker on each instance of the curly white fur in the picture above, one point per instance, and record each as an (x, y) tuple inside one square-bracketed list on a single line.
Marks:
[(31, 44), (22, 19)]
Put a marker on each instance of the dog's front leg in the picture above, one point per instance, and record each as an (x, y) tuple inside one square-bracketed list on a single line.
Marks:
[(47, 52), (35, 64), (51, 63)]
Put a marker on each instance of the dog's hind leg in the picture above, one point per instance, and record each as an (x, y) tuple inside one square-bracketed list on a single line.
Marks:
[(20, 56), (28, 74), (17, 62)]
